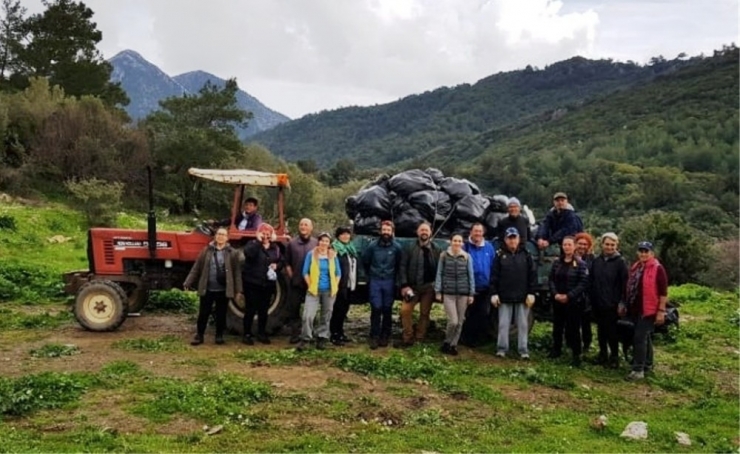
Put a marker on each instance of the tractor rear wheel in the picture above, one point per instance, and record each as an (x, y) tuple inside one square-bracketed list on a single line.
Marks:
[(235, 315), (101, 306)]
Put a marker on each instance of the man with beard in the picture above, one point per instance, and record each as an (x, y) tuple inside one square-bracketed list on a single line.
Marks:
[(416, 278), (475, 327), (295, 255), (561, 221), (381, 260)]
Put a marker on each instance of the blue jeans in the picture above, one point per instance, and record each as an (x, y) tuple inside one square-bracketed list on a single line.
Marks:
[(505, 312), (381, 307)]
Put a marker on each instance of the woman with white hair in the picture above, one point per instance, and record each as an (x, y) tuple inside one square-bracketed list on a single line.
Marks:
[(608, 279)]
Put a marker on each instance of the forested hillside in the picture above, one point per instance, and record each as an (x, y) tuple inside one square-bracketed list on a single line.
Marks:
[(671, 145), (386, 134)]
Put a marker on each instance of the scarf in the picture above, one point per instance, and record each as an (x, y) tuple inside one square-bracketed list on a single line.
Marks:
[(344, 249), (633, 281)]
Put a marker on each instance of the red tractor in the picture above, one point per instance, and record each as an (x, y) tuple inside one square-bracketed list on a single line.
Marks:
[(124, 265)]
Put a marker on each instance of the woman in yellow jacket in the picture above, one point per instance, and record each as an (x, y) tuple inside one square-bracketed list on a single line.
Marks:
[(322, 273)]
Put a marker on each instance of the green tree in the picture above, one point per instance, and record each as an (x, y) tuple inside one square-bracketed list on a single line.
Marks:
[(12, 31), (194, 131), (61, 45)]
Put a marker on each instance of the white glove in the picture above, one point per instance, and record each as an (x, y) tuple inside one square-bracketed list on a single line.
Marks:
[(495, 301), (529, 301)]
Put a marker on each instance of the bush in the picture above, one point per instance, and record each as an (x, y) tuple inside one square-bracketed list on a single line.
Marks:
[(28, 283), (23, 395), (7, 222), (174, 300), (722, 272), (100, 200)]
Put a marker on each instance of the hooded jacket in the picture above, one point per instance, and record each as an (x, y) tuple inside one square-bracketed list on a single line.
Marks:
[(558, 224), (514, 276), (257, 260), (483, 257)]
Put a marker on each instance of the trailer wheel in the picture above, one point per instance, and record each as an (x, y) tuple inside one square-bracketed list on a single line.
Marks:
[(101, 306), (235, 315)]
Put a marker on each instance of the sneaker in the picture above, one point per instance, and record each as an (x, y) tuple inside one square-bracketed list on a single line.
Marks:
[(301, 346), (613, 362), (634, 376), (445, 348), (373, 342), (264, 339), (524, 356), (220, 339), (453, 350), (501, 354), (320, 343), (295, 338), (383, 342), (336, 340), (197, 340), (345, 340), (247, 339)]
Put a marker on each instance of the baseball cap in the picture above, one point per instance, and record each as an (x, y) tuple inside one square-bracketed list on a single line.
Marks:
[(560, 195), (324, 234), (512, 231), (647, 245)]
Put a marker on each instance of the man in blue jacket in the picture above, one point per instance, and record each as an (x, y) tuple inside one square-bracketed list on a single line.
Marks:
[(561, 221), (381, 261), (475, 327)]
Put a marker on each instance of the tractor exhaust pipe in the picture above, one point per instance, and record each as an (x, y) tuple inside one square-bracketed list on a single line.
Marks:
[(151, 218)]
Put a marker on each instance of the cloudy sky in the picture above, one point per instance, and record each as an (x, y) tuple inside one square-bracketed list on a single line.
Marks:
[(303, 56)]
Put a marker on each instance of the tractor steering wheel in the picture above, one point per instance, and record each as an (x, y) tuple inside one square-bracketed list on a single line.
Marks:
[(205, 228)]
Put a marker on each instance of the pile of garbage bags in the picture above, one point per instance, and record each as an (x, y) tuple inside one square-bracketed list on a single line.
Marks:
[(451, 205)]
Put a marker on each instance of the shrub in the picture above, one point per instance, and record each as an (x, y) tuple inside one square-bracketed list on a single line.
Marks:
[(723, 267), (29, 283), (23, 395), (7, 222), (100, 200), (174, 300)]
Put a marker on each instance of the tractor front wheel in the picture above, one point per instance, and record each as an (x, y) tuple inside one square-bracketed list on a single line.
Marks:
[(101, 306)]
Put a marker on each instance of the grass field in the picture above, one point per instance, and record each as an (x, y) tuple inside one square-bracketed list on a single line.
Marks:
[(144, 389)]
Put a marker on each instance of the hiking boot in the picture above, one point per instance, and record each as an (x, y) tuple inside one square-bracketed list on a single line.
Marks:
[(453, 350), (197, 340), (264, 339), (373, 342), (383, 342), (635, 376), (344, 339), (247, 339), (220, 339), (445, 348), (320, 343), (613, 362), (295, 338), (402, 344), (336, 340)]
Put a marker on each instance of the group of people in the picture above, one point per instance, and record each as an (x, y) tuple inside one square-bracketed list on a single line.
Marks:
[(471, 277)]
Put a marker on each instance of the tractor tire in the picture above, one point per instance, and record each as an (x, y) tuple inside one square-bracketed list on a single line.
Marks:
[(101, 305), (137, 298), (235, 314)]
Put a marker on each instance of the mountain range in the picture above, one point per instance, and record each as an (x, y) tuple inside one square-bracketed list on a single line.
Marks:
[(146, 85), (383, 135)]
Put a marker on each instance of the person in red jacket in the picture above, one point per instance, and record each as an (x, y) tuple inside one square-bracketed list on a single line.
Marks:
[(647, 295)]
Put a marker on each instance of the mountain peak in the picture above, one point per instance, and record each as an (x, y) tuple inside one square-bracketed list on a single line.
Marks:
[(128, 53)]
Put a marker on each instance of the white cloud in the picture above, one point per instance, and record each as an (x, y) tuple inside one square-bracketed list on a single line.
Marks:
[(304, 56)]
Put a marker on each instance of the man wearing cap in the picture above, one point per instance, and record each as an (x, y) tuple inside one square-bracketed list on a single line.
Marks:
[(295, 255), (477, 319), (607, 281), (516, 220), (647, 295), (561, 221), (381, 260), (247, 220), (416, 276), (513, 282)]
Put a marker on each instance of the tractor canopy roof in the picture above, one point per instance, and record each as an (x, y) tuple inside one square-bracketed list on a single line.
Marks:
[(242, 176)]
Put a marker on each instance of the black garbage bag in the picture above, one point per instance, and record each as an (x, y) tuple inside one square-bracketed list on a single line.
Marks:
[(458, 188), (374, 201), (380, 180), (436, 174), (350, 206), (407, 222), (367, 225), (431, 204), (400, 205), (462, 227), (499, 203), (410, 181), (471, 208), (492, 220)]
